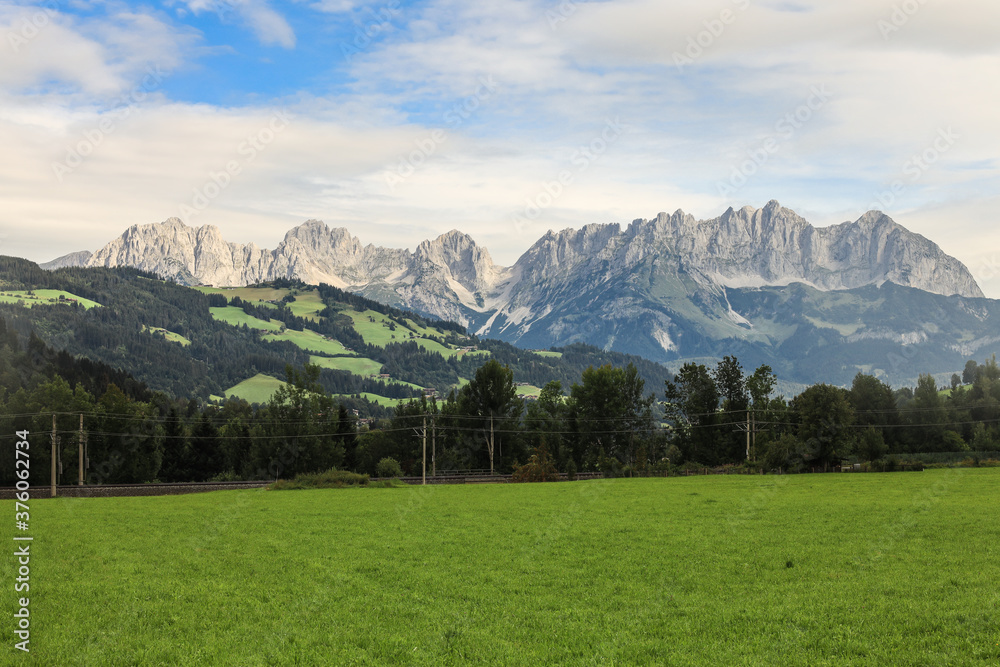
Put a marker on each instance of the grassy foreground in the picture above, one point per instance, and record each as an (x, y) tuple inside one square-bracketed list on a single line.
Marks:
[(865, 569)]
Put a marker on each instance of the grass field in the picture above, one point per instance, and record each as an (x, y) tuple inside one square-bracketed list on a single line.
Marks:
[(865, 569), (236, 317), (254, 294), (548, 353), (257, 389), (379, 334), (356, 365), (381, 400), (307, 305), (45, 297), (528, 390), (310, 341), (169, 335)]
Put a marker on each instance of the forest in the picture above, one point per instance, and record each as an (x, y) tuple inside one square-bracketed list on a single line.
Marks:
[(607, 419)]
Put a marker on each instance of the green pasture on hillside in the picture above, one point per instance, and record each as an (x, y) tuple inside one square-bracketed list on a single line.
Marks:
[(356, 365), (45, 297), (310, 341), (252, 294), (169, 335), (384, 401), (236, 317), (379, 334), (307, 305), (257, 389), (835, 569)]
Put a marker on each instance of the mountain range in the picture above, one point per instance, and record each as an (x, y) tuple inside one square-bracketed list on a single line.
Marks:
[(671, 288)]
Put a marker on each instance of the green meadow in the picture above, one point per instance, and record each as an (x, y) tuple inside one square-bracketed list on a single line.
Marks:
[(252, 294), (257, 389), (307, 304), (380, 334), (310, 341), (356, 365), (45, 297), (852, 569), (168, 335), (376, 398), (236, 317)]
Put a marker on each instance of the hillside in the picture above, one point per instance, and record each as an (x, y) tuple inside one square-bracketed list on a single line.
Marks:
[(211, 342)]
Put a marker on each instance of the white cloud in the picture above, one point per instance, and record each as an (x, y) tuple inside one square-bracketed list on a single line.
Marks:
[(558, 82), (269, 26), (82, 61)]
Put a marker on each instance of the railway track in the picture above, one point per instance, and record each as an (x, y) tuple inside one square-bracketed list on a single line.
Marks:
[(178, 488)]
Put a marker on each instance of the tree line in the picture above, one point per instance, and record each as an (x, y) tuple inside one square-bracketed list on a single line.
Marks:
[(605, 421)]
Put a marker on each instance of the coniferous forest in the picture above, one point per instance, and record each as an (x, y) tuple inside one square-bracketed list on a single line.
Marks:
[(146, 413)]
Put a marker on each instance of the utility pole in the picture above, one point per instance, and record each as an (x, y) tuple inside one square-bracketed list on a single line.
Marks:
[(425, 450), (491, 442), (80, 482), (53, 472), (748, 435), (434, 470)]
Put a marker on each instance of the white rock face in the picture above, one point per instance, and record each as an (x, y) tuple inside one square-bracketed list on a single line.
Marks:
[(769, 246), (79, 258), (454, 278)]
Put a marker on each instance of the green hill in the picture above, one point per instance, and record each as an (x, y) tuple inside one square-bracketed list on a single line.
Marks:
[(207, 342)]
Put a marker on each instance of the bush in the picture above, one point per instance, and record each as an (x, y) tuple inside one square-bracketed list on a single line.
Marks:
[(609, 466), (539, 468), (388, 467), (571, 470), (332, 478)]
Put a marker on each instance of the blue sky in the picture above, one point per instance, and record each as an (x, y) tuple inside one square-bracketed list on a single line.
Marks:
[(503, 118)]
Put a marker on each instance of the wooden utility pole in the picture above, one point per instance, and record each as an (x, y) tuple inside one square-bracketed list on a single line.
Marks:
[(748, 435), (425, 450), (53, 472), (491, 443), (80, 482), (434, 470)]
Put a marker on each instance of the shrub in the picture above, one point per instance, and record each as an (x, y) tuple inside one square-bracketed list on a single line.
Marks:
[(609, 466), (332, 478), (571, 470), (388, 467), (539, 468)]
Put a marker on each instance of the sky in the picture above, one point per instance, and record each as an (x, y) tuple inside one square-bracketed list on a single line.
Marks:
[(402, 120)]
